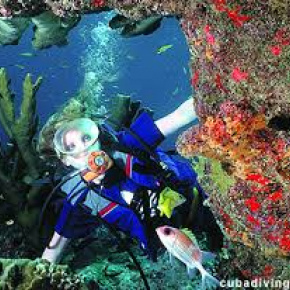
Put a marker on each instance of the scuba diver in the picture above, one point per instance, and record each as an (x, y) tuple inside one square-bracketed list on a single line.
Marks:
[(121, 177)]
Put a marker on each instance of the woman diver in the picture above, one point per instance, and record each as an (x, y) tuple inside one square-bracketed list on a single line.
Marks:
[(120, 176)]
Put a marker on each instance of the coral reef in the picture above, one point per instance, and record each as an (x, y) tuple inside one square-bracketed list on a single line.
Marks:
[(23, 128), (240, 52), (35, 7), (20, 166), (25, 274), (254, 210)]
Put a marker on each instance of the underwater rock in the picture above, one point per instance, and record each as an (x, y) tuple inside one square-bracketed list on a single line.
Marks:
[(11, 30), (266, 268), (133, 28), (145, 17), (28, 8), (25, 274), (253, 209), (130, 8), (52, 30), (240, 52), (119, 21), (49, 29)]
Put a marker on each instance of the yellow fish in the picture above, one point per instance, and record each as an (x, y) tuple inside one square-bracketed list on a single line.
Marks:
[(163, 48), (168, 201)]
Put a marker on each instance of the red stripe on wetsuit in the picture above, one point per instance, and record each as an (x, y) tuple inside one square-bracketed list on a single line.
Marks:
[(128, 167), (106, 210)]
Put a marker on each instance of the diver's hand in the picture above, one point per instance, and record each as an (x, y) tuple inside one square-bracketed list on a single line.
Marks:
[(182, 116), (53, 252)]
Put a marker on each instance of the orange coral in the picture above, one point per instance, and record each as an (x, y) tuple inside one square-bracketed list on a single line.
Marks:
[(227, 137), (255, 209)]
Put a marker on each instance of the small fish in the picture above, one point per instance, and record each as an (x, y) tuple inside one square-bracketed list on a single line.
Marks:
[(184, 70), (168, 201), (176, 91), (27, 54), (130, 57), (163, 48), (20, 66), (183, 245)]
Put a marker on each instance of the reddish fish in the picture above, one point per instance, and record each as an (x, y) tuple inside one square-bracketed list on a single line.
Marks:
[(184, 247)]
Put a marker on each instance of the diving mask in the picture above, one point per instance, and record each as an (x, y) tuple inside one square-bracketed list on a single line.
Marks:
[(75, 137), (76, 143)]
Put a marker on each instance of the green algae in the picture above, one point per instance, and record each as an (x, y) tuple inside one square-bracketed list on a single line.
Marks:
[(217, 175)]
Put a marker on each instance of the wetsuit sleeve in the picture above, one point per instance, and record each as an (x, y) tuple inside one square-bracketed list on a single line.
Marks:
[(75, 222), (145, 128)]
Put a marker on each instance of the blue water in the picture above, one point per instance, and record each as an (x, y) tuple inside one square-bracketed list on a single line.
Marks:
[(161, 81)]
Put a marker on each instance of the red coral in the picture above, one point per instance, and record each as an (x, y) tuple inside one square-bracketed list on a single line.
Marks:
[(282, 37), (253, 204), (271, 237), (209, 37), (195, 79), (271, 220), (275, 50), (219, 84), (220, 5), (238, 75), (258, 178), (268, 270), (251, 219), (275, 196), (98, 3), (284, 243), (237, 18)]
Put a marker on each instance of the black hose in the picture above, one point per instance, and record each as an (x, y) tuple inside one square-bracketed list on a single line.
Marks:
[(127, 249)]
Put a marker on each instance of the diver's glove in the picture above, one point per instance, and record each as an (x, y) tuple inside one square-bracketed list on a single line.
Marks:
[(124, 111)]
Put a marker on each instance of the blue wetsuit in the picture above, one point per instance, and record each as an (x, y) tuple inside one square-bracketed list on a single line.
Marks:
[(75, 221)]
